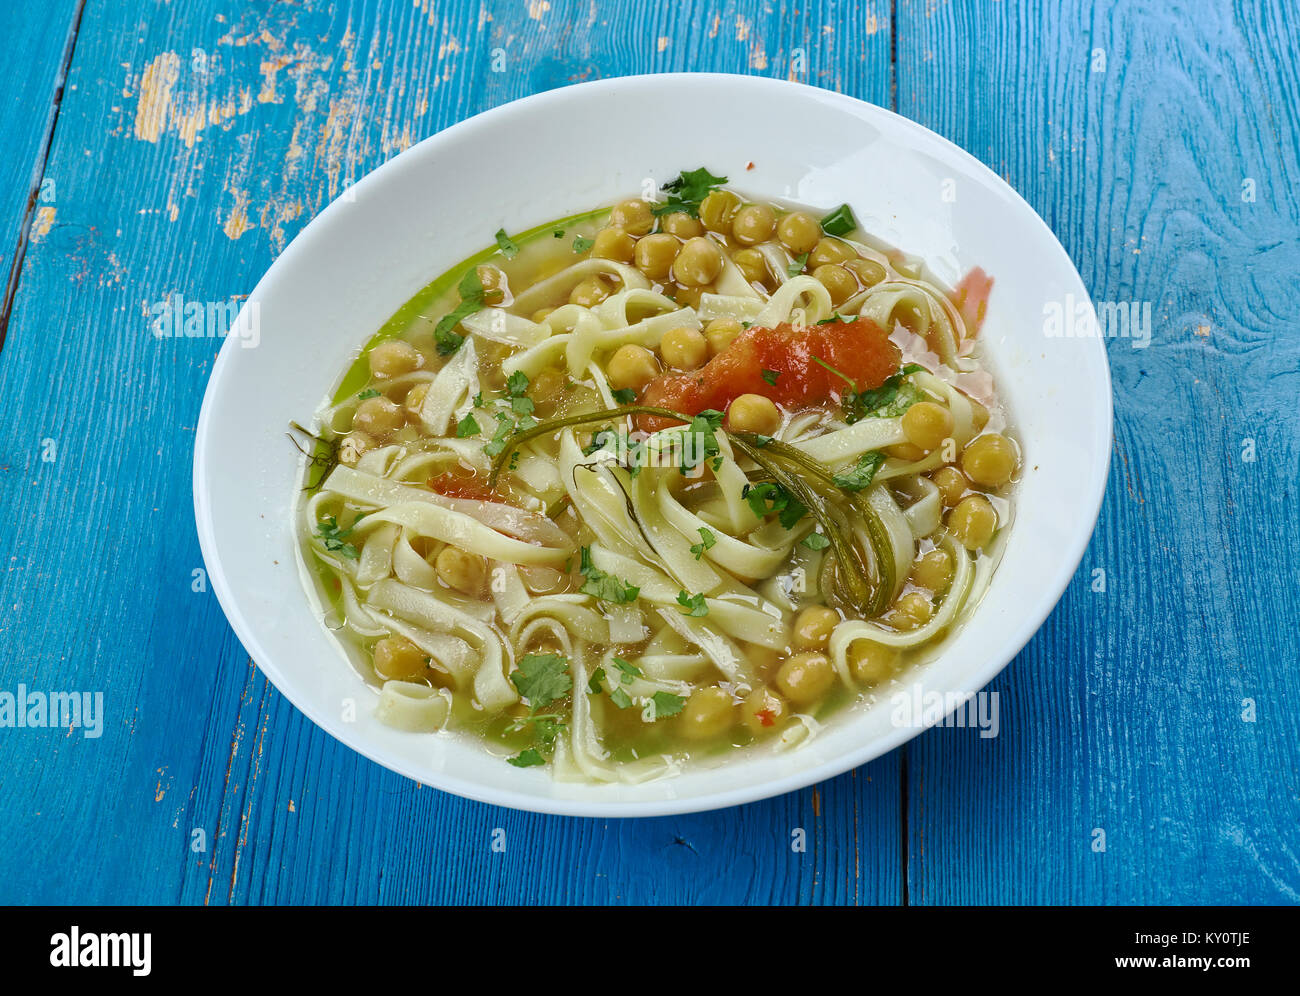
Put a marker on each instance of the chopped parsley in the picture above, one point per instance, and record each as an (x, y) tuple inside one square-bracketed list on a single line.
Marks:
[(516, 388), (860, 476), (840, 221), (893, 397), (687, 190), (602, 586), (468, 426), (558, 233), (771, 376), (667, 704), (620, 698), (508, 249), (627, 670), (707, 541), (796, 268), (701, 441), (769, 497), (526, 758), (815, 541), (582, 245), (369, 392), (542, 679), (596, 681), (624, 395), (692, 605), (471, 301), (334, 537)]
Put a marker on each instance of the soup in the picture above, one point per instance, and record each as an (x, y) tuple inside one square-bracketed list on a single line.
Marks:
[(659, 483)]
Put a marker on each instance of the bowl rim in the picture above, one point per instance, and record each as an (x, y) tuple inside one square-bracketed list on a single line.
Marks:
[(815, 773)]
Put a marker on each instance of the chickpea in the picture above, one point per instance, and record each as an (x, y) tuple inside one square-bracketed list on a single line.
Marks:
[(654, 256), (763, 712), (589, 293), (806, 678), (868, 271), (973, 521), (495, 286), (752, 265), (799, 232), (698, 263), (631, 366), (615, 244), (393, 358), (541, 314), (718, 209), (952, 484), (872, 663), (926, 425), (720, 333), (353, 446), (398, 657), (461, 570), (689, 297), (831, 250), (753, 224), (378, 417), (905, 451), (681, 225), (910, 611), (989, 460), (634, 217), (812, 627), (933, 571), (414, 399), (841, 284), (708, 713), (684, 348), (753, 413)]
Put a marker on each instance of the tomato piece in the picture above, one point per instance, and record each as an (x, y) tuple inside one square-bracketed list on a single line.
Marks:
[(458, 485), (788, 356)]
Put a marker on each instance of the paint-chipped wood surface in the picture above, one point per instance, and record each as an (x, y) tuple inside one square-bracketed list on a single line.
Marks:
[(192, 141)]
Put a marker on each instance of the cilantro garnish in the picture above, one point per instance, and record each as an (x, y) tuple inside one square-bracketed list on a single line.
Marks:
[(667, 704), (887, 400), (620, 698), (687, 190), (701, 441), (468, 426), (526, 758), (369, 392), (771, 376), (840, 221), (815, 541), (582, 245), (861, 475), (769, 497), (542, 678), (471, 301), (595, 681), (334, 537), (623, 396), (796, 268), (602, 586), (707, 541), (627, 670), (692, 605), (505, 429), (508, 249)]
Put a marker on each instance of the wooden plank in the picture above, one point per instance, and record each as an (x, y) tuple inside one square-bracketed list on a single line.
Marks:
[(38, 44), (1161, 146), (193, 144)]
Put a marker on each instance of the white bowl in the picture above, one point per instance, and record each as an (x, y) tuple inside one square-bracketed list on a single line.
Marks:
[(572, 149)]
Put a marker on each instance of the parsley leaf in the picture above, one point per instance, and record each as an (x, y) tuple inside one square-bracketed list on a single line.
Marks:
[(582, 245), (624, 395), (471, 301), (701, 441), (526, 758), (771, 376), (468, 426), (840, 221), (558, 233), (687, 190), (334, 537), (707, 541), (815, 541), (796, 268), (517, 384), (860, 476), (369, 392), (628, 670), (692, 605), (893, 397), (667, 704), (596, 681), (620, 698), (505, 429), (542, 678), (602, 586), (508, 249)]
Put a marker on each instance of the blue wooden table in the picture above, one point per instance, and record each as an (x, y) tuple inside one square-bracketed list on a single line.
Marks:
[(1150, 736)]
